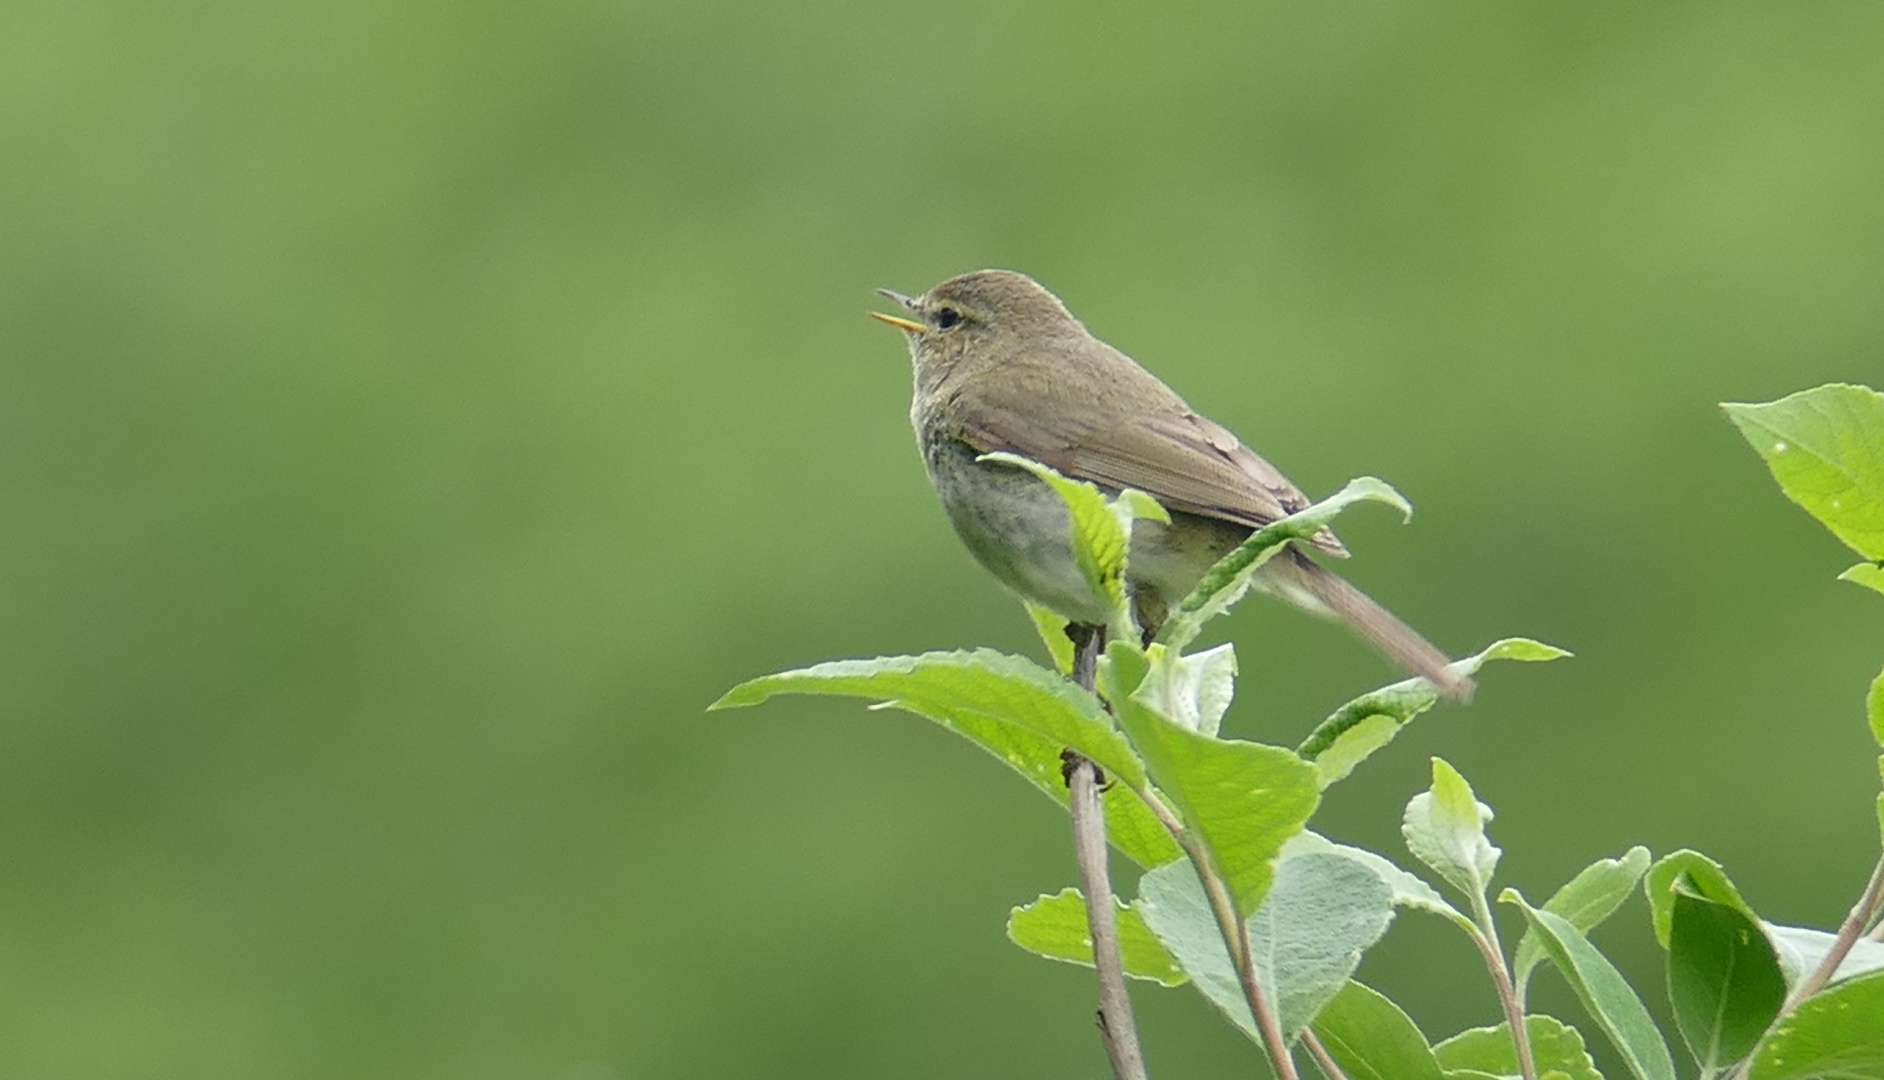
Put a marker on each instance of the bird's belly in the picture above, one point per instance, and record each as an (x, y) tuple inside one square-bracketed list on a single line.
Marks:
[(1018, 529)]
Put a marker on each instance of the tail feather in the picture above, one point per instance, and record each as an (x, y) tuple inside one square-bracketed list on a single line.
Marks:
[(1304, 582)]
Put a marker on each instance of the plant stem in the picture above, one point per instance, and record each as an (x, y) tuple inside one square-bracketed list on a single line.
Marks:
[(1860, 917), (1487, 941), (1329, 1067), (1235, 933), (1117, 1028), (1848, 933)]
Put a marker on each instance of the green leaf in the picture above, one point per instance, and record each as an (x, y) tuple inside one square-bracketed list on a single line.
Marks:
[(1874, 708), (1445, 829), (1370, 721), (1242, 800), (1016, 710), (1869, 575), (1407, 889), (1371, 1039), (1723, 979), (1055, 927), (1834, 1035), (1101, 534), (1226, 582), (1826, 448), (1307, 938), (1555, 1047), (947, 686), (1704, 877), (1051, 626), (1801, 951), (1195, 691), (1585, 900), (1602, 990)]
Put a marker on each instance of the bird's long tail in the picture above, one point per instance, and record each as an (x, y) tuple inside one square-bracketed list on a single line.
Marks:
[(1302, 581)]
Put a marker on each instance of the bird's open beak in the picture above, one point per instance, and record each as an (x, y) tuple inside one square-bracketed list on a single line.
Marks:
[(906, 325)]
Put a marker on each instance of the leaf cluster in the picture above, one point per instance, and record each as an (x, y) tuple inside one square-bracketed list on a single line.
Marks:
[(1269, 920)]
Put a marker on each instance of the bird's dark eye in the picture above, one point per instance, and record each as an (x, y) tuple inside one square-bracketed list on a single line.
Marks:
[(946, 318)]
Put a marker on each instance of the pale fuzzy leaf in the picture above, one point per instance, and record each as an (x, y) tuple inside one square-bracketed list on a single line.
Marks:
[(1837, 1034), (1802, 950), (1555, 1047), (1056, 927), (1371, 1039), (1193, 691), (1585, 900), (1370, 721), (1825, 446), (1172, 903), (1407, 888), (1051, 626), (1243, 800), (1603, 991), (1445, 829), (1226, 582), (1307, 938), (1870, 575), (1014, 709)]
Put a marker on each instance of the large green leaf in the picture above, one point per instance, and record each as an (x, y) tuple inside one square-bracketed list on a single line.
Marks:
[(1056, 927), (1445, 829), (1371, 1039), (1227, 582), (1370, 721), (1555, 1047), (1602, 990), (1018, 711), (1834, 1035), (1826, 449), (1307, 938), (1585, 901), (1101, 534), (1242, 800), (1723, 979)]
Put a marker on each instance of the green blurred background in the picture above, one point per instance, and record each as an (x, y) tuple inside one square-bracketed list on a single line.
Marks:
[(414, 414)]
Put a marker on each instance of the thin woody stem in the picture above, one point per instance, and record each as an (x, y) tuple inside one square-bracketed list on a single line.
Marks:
[(1117, 1028), (1235, 933), (1485, 936), (1329, 1067)]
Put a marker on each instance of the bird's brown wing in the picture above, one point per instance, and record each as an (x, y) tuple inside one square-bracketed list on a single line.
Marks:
[(1185, 461)]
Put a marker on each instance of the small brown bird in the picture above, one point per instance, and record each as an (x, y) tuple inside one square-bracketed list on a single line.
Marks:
[(1001, 365)]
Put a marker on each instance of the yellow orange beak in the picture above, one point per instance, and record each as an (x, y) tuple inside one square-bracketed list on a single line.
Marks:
[(907, 325)]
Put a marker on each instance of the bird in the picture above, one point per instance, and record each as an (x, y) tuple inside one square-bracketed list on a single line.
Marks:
[(1001, 365)]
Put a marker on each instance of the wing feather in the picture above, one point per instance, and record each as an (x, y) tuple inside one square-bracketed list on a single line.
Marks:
[(1185, 461)]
